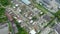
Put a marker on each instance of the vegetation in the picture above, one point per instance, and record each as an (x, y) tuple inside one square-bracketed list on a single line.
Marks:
[(3, 18), (4, 2), (52, 24), (49, 23), (44, 10), (57, 15), (20, 29), (40, 7), (10, 28), (50, 32), (34, 18)]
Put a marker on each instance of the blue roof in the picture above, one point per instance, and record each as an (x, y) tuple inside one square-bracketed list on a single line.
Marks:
[(26, 2)]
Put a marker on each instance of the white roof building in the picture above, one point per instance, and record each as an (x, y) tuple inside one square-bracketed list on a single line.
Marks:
[(30, 17), (31, 21), (16, 5), (19, 21), (32, 32)]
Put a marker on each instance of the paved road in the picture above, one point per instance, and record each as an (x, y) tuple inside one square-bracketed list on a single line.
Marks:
[(4, 30)]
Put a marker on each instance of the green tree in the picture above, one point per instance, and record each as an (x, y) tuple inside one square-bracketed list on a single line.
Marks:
[(20, 29), (57, 15), (4, 2), (3, 18)]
